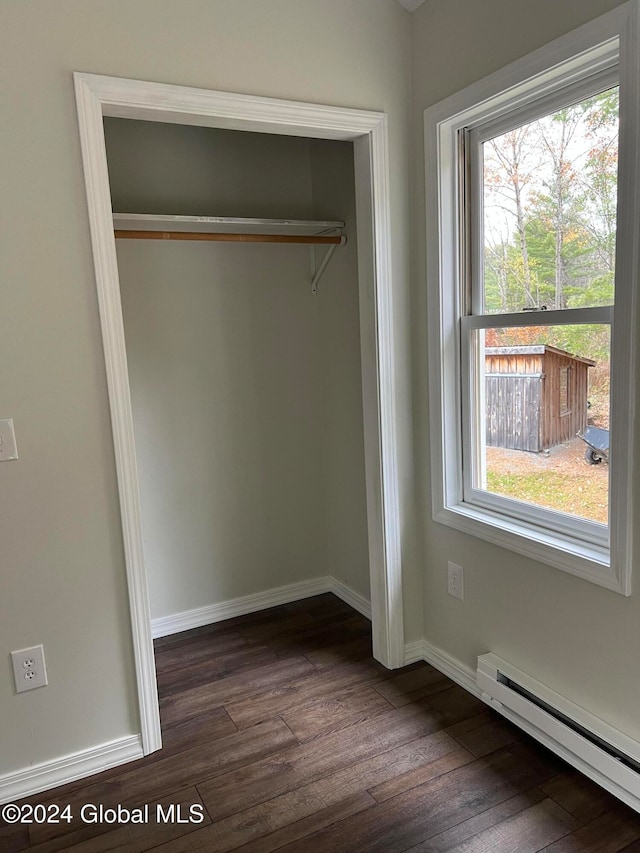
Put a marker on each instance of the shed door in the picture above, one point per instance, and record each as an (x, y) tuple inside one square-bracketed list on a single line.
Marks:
[(513, 411)]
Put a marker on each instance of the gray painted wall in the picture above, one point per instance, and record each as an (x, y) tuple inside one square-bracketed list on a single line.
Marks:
[(341, 414), (63, 573), (579, 639)]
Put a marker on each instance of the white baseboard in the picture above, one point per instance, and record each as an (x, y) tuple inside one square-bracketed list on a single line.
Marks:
[(70, 768), (184, 621), (444, 663), (350, 596), (414, 652), (451, 667)]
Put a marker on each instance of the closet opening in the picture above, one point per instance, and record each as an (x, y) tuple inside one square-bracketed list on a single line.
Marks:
[(245, 385), (241, 274)]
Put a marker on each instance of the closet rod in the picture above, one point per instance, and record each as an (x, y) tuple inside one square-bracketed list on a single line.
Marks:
[(233, 238)]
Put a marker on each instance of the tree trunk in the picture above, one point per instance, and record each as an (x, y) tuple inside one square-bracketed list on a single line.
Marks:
[(522, 237)]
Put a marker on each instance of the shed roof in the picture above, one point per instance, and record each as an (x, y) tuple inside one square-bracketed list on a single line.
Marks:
[(537, 349)]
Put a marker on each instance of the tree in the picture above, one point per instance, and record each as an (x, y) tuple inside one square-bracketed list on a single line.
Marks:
[(509, 167), (550, 209), (560, 204), (600, 184)]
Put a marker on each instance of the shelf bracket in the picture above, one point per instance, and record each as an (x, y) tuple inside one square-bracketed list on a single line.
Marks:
[(325, 263)]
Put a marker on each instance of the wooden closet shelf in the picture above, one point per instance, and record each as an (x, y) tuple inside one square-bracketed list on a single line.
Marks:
[(222, 237), (233, 229), (153, 226)]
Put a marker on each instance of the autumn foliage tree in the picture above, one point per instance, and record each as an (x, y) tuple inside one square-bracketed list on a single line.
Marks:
[(550, 205)]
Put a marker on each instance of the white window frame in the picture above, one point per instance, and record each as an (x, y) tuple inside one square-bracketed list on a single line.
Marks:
[(607, 45)]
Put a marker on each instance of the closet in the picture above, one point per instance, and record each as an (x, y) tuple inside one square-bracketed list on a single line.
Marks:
[(244, 359)]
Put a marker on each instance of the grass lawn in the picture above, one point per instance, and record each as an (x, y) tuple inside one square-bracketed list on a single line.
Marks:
[(578, 492)]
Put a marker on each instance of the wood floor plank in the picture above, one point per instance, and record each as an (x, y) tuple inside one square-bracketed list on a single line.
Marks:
[(320, 605), (273, 616), (139, 785), (412, 686), (525, 832), (424, 811), (285, 696), (310, 639), (609, 833), (326, 793), (358, 623), (297, 766), (484, 733), (349, 652), (277, 617), (204, 728), (451, 839), (213, 668), (333, 713), (220, 693), (453, 705), (433, 754), (419, 774), (306, 826), (13, 839), (579, 796), (217, 631), (345, 616), (291, 623), (192, 650)]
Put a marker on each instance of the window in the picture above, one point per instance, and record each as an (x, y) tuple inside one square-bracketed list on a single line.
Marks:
[(531, 256)]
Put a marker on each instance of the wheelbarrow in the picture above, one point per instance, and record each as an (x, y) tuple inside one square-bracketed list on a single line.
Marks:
[(597, 441)]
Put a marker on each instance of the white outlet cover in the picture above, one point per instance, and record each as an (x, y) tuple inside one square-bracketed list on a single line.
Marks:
[(29, 670), (8, 448), (455, 580)]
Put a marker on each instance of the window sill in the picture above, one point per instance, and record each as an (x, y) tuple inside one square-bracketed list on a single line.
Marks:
[(584, 560)]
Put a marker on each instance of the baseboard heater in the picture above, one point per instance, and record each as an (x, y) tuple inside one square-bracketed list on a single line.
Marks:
[(606, 755)]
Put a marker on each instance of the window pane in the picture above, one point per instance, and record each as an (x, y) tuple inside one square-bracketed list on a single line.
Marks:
[(549, 197), (537, 390)]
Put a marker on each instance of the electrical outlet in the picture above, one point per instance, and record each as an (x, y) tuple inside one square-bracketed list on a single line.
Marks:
[(29, 668), (455, 581)]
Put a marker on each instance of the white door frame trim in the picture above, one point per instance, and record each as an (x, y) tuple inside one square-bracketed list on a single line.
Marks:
[(99, 96)]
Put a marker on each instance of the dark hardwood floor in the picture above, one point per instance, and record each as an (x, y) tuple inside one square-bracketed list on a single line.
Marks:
[(282, 733)]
